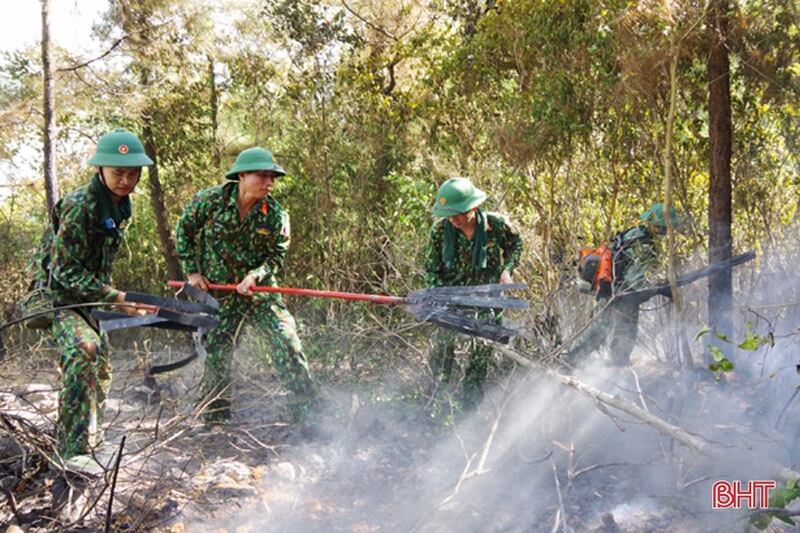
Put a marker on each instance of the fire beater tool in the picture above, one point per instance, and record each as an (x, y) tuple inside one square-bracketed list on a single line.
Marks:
[(449, 307)]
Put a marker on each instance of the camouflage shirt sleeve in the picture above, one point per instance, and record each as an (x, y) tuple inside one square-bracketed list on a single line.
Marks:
[(433, 257), (70, 246), (187, 232), (278, 247)]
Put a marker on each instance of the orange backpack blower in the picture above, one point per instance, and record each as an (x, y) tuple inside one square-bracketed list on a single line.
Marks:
[(596, 266)]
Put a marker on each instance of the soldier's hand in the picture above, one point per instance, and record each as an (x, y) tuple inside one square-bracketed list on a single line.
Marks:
[(131, 308), (505, 277), (197, 281), (244, 286)]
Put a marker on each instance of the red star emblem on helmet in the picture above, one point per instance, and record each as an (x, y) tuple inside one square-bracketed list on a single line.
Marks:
[(123, 148)]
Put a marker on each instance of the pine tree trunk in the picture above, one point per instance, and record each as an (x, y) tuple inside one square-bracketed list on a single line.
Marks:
[(51, 186), (720, 245), (157, 202)]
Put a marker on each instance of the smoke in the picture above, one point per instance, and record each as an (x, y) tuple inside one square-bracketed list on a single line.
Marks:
[(539, 456)]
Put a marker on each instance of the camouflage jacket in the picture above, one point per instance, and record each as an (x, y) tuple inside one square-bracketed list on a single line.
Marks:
[(634, 259), (503, 252), (76, 253), (211, 239)]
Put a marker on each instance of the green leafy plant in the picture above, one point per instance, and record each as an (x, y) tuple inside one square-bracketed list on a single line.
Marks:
[(752, 342), (721, 363), (779, 499)]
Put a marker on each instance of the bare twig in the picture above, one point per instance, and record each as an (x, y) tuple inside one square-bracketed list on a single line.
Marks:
[(642, 401), (113, 47), (98, 58), (114, 485), (372, 25), (561, 513), (12, 504), (466, 472)]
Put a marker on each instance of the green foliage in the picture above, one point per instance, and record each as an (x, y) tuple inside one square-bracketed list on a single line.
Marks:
[(721, 363), (779, 499), (752, 342), (721, 336)]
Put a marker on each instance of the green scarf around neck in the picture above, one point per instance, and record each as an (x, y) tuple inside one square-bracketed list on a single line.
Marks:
[(479, 240), (111, 215)]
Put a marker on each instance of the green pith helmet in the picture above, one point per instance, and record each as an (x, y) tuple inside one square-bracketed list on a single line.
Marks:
[(120, 148), (655, 215), (456, 196), (254, 160)]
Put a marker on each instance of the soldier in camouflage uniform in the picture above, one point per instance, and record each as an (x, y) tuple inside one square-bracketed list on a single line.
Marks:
[(467, 246), (238, 233), (635, 256), (74, 260)]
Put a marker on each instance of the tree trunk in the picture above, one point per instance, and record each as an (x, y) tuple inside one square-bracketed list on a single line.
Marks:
[(157, 202), (214, 113), (677, 297), (720, 246), (682, 355), (51, 187)]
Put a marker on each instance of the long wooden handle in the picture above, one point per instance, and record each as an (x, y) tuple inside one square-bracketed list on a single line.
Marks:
[(373, 298)]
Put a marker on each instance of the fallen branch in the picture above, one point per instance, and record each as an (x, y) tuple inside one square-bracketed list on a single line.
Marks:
[(683, 436)]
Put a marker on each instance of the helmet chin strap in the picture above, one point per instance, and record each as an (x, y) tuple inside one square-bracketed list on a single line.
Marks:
[(103, 180)]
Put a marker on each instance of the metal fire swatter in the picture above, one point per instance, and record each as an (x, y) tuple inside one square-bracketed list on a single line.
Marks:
[(196, 317), (448, 307), (691, 277)]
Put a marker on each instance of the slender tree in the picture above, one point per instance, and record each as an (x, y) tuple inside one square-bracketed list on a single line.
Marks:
[(719, 194), (135, 20), (51, 186), (157, 200)]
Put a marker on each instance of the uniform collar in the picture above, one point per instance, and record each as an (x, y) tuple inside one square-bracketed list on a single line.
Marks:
[(111, 215), (232, 202)]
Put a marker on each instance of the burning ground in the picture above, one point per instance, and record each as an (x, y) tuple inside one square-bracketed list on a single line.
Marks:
[(537, 456)]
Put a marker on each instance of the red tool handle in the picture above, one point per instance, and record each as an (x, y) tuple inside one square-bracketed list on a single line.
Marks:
[(374, 298)]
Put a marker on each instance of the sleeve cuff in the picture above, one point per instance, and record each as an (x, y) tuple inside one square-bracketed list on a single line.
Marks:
[(109, 294), (260, 273)]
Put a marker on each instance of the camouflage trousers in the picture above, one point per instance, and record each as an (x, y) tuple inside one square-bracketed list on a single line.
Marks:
[(619, 320), (85, 379), (444, 366), (270, 318)]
